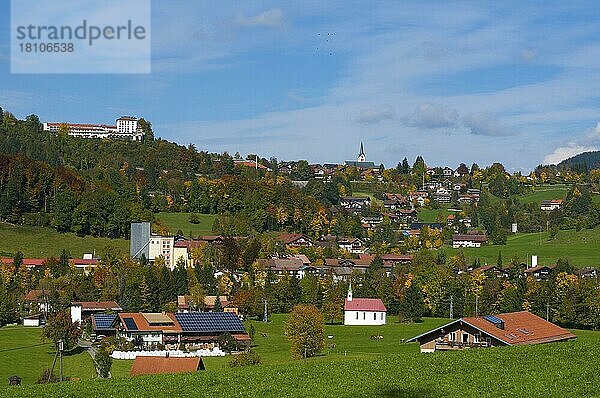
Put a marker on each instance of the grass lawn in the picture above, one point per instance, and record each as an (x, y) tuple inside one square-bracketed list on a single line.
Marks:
[(545, 192), (370, 368), (180, 221), (22, 353), (430, 215), (580, 248), (44, 242)]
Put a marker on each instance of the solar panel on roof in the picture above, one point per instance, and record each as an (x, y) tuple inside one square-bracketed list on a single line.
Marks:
[(130, 323), (104, 321), (209, 322)]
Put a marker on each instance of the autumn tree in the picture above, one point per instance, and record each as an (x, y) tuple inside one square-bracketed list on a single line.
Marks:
[(60, 327), (305, 331)]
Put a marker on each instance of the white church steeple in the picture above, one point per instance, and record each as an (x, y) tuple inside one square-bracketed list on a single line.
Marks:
[(349, 297), (361, 154)]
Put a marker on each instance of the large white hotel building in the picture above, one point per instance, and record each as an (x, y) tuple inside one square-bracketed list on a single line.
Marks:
[(126, 127)]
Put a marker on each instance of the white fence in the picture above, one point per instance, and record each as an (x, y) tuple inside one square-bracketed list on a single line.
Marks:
[(216, 352)]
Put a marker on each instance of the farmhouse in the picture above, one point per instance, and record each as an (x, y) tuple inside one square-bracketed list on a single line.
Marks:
[(550, 205), (82, 310), (355, 203), (363, 311), (352, 245), (513, 328), (540, 272), (459, 240), (296, 240), (168, 365)]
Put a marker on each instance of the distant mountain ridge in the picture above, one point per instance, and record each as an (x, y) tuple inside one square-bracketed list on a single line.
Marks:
[(589, 160)]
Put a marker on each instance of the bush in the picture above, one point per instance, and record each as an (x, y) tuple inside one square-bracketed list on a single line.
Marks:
[(227, 343), (247, 358), (194, 218), (47, 377), (305, 330), (103, 363)]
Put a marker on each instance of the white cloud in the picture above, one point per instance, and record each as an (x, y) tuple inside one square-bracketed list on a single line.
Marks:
[(431, 116), (566, 152), (375, 115), (483, 123), (528, 54), (272, 18)]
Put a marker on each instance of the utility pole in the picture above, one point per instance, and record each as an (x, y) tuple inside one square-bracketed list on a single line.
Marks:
[(451, 307), (265, 317), (60, 350)]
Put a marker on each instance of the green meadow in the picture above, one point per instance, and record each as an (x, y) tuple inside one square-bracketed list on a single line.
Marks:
[(45, 242), (180, 221), (361, 367), (581, 248)]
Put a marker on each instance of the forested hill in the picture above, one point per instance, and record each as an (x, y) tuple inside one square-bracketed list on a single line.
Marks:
[(585, 161), (96, 187)]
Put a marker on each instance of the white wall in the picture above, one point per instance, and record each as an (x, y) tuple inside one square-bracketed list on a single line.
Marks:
[(364, 318), (31, 322), (76, 313)]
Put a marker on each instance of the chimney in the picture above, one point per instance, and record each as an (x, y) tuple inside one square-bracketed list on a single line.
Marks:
[(534, 262)]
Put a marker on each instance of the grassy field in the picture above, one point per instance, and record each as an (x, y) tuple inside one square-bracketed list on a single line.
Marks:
[(180, 221), (545, 192), (370, 368), (22, 353), (580, 248), (430, 215), (46, 242)]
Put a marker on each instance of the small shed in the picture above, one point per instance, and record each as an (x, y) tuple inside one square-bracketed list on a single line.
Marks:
[(32, 320)]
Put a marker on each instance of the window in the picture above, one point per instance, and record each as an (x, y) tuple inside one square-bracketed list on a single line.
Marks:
[(364, 315), (374, 316), (476, 338), (356, 314), (453, 336), (465, 337), (382, 316)]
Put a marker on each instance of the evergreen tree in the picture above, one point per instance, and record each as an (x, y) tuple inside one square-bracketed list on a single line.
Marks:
[(499, 261), (411, 306), (146, 304), (217, 306)]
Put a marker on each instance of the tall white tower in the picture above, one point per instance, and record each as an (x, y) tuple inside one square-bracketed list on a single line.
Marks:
[(349, 297)]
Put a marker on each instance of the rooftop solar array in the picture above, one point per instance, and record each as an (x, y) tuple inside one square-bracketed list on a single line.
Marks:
[(493, 319), (210, 322), (104, 321), (130, 324)]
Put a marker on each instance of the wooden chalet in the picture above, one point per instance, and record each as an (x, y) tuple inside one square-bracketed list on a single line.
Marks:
[(513, 328)]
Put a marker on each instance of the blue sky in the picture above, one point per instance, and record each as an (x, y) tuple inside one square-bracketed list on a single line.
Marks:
[(514, 82)]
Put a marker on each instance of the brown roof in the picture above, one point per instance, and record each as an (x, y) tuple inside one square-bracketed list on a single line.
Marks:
[(538, 267), (160, 365), (28, 262), (473, 238), (142, 324), (522, 327), (291, 238), (98, 305), (34, 295)]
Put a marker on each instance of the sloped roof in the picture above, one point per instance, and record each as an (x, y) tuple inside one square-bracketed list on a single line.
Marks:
[(160, 365), (291, 238), (210, 322), (137, 322), (538, 267), (472, 238), (520, 328), (364, 304), (34, 295), (98, 305)]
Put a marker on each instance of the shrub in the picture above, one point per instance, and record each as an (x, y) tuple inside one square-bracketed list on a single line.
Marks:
[(47, 377), (227, 343), (103, 363), (194, 218), (247, 358)]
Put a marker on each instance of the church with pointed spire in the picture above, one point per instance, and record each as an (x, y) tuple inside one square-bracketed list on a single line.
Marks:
[(363, 311), (361, 160)]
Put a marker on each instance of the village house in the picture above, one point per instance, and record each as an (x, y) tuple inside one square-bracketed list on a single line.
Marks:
[(493, 271), (468, 240), (550, 205), (355, 203), (468, 198), (291, 265), (371, 221), (442, 195), (82, 310), (540, 272), (148, 329), (513, 328), (296, 240), (352, 245), (363, 311)]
